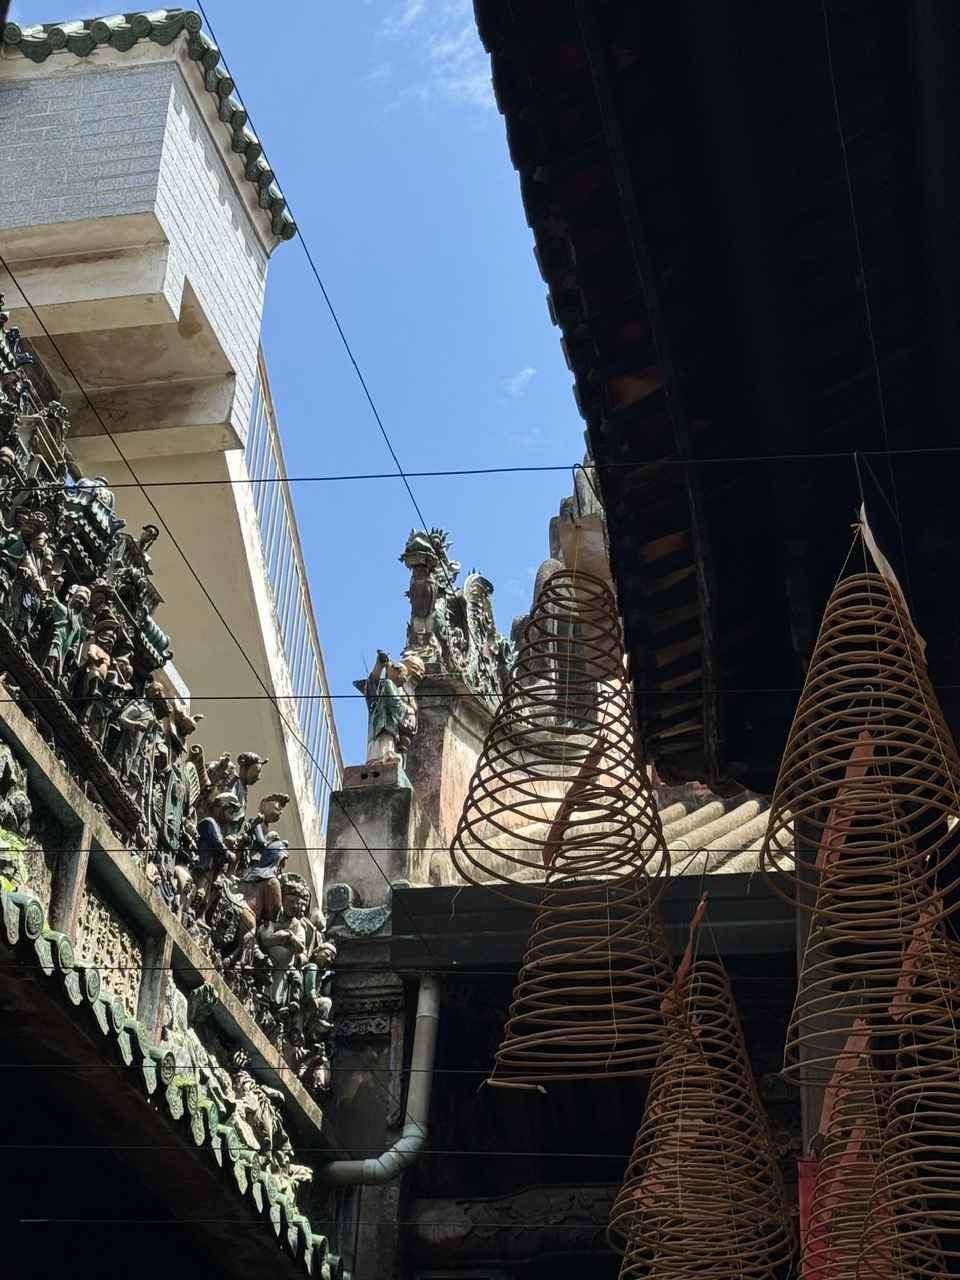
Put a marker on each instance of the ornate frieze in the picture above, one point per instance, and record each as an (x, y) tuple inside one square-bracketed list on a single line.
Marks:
[(106, 940), (361, 1026), (82, 653), (367, 1004), (207, 1090)]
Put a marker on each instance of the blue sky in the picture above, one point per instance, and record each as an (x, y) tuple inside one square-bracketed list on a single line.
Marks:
[(378, 118)]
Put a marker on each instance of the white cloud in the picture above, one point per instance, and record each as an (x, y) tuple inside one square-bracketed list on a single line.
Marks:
[(516, 587), (403, 18), (446, 63), (516, 385)]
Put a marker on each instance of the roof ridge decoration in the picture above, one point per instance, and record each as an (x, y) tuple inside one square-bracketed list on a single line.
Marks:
[(163, 27)]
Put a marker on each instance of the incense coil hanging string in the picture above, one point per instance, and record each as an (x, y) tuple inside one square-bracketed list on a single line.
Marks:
[(560, 793), (869, 757), (588, 998), (703, 1194)]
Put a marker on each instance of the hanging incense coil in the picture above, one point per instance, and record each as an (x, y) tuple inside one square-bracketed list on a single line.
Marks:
[(846, 1172), (588, 998), (870, 759), (915, 1210), (885, 968), (914, 1213), (850, 1183), (560, 793), (702, 1194), (926, 1010)]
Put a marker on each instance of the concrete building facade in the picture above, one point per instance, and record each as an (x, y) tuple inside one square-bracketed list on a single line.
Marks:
[(150, 1010), (137, 218)]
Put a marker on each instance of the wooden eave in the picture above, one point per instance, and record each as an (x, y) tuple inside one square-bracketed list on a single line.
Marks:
[(689, 192)]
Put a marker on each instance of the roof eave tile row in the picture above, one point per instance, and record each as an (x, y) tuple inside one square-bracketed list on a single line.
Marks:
[(52, 956), (162, 27)]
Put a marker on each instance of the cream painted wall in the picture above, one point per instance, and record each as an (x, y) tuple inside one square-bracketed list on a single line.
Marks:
[(134, 234), (215, 526)]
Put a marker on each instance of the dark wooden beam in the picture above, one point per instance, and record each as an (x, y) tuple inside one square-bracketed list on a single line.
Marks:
[(702, 551), (461, 928)]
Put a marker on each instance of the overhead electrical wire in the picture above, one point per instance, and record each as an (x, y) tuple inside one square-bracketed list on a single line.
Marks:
[(382, 429), (139, 485), (378, 1222), (846, 455), (479, 1073), (163, 524), (417, 848), (425, 697)]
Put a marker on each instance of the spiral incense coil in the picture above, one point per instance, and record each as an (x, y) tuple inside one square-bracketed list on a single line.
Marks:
[(846, 1173), (927, 1012), (870, 761), (588, 998), (850, 1184), (896, 980), (703, 1194), (560, 793), (914, 1213)]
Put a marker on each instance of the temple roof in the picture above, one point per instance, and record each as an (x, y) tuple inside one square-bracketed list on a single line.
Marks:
[(162, 27), (745, 218), (704, 834)]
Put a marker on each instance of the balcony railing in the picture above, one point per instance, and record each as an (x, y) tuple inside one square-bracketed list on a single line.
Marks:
[(291, 593)]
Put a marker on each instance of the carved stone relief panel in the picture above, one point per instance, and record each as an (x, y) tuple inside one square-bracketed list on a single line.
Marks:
[(37, 867), (105, 939), (366, 1005), (357, 1025)]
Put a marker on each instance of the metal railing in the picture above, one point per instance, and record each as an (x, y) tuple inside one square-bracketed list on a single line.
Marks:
[(291, 594)]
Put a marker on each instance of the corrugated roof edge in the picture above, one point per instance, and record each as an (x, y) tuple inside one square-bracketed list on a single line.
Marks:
[(163, 26)]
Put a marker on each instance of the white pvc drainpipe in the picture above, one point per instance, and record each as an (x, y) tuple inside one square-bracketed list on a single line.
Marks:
[(384, 1168)]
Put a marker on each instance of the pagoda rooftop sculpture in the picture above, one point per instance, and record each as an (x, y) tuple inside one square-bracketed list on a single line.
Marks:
[(452, 629), (81, 652)]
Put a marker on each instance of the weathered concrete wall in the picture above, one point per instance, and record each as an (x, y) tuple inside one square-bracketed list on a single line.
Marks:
[(452, 724), (378, 833)]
